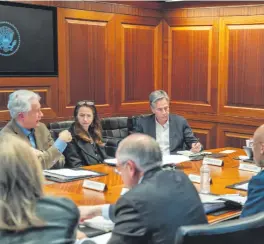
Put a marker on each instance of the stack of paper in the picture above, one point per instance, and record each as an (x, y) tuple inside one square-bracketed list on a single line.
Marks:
[(235, 198), (68, 174), (212, 203)]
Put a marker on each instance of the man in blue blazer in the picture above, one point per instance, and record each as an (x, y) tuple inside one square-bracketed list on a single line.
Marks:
[(255, 201), (172, 132)]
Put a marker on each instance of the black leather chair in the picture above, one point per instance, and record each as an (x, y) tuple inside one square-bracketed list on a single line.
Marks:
[(56, 127), (115, 129), (242, 231)]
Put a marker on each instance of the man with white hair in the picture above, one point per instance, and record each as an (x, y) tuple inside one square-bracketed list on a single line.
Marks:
[(158, 202), (25, 110), (171, 131)]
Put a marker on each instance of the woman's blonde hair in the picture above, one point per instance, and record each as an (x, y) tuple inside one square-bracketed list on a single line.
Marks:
[(21, 181)]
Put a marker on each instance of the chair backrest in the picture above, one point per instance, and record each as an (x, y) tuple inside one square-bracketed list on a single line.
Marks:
[(56, 127), (116, 127), (242, 231)]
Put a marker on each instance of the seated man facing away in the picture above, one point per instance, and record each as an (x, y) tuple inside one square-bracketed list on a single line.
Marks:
[(158, 202), (255, 200), (170, 131), (24, 108)]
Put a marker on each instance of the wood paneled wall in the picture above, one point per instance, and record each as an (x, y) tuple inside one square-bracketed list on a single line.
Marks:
[(207, 56), (212, 68)]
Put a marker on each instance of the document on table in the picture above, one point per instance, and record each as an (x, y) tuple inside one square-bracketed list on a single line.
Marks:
[(209, 198), (111, 161), (227, 151), (174, 159), (102, 239), (235, 198), (185, 153), (100, 223), (243, 186), (70, 172)]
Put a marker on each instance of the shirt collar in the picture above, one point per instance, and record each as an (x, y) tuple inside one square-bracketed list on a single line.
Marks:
[(165, 125), (25, 131)]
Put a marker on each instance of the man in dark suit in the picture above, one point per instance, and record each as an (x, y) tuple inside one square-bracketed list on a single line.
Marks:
[(255, 200), (158, 202), (172, 132)]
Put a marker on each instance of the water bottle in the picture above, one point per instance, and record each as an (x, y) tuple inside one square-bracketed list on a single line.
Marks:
[(205, 179)]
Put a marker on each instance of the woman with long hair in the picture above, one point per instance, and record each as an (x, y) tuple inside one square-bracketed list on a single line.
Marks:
[(26, 215), (86, 147)]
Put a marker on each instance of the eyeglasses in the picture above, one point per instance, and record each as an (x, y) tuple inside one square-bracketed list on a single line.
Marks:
[(254, 143), (118, 168), (85, 102)]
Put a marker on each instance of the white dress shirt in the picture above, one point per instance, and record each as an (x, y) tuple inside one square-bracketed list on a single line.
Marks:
[(163, 137)]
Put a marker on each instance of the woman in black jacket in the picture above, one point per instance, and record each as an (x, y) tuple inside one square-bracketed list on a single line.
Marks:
[(86, 147)]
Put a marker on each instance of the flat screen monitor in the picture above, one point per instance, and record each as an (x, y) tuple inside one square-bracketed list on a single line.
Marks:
[(28, 40)]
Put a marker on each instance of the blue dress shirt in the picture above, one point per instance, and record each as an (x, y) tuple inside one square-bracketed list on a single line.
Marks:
[(59, 144)]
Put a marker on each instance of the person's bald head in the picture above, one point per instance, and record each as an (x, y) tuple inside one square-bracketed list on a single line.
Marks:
[(135, 155), (259, 133), (258, 146), (142, 149)]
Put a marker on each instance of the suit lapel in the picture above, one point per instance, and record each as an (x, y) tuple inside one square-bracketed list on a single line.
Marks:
[(171, 133), (38, 139), (152, 126)]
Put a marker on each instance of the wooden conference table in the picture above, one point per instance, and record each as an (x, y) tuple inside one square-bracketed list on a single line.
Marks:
[(221, 177)]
